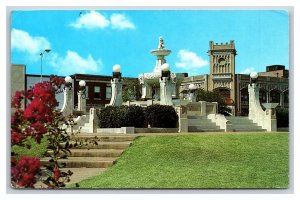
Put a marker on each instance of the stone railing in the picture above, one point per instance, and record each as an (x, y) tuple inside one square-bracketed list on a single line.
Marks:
[(266, 119)]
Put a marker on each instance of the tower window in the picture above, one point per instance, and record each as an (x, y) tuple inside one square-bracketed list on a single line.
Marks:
[(221, 61)]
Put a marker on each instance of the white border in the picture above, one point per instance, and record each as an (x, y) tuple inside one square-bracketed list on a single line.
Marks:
[(123, 4)]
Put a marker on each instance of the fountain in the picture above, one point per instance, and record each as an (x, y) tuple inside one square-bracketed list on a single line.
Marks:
[(151, 81)]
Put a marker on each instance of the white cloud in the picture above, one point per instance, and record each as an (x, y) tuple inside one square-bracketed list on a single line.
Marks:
[(22, 41), (91, 20), (190, 60), (73, 63), (120, 21), (248, 70)]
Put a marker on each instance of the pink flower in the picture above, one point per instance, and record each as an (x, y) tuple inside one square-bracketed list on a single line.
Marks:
[(56, 174), (23, 172)]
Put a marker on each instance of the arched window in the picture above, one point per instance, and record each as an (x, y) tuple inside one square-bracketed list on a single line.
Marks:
[(275, 96), (262, 96), (244, 96), (286, 98)]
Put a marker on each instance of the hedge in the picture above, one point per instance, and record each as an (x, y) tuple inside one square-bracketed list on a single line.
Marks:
[(161, 116), (282, 115), (121, 116)]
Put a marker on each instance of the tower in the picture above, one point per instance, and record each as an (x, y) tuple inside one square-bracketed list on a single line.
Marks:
[(222, 70)]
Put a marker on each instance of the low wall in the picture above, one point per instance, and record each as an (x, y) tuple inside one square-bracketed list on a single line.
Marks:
[(156, 130), (131, 130)]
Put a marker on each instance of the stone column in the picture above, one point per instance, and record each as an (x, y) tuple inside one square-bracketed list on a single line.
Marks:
[(182, 119), (68, 106), (116, 90), (93, 121), (165, 91), (266, 119), (81, 101), (255, 109), (281, 99)]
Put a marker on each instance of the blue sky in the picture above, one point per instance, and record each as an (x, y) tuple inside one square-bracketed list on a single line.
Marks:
[(91, 42)]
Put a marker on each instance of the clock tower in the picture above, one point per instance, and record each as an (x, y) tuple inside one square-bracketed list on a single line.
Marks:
[(222, 70)]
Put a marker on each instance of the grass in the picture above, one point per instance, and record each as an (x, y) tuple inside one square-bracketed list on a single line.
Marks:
[(36, 150), (247, 160)]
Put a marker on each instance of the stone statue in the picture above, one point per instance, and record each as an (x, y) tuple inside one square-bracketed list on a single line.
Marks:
[(161, 44)]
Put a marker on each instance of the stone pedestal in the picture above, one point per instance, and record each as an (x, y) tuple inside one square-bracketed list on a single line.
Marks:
[(81, 102), (165, 91), (182, 119), (68, 106), (93, 121), (116, 91)]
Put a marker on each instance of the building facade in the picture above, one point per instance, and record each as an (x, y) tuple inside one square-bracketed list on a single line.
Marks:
[(274, 82)]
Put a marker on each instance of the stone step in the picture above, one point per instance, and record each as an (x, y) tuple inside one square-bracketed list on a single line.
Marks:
[(83, 173), (203, 129), (239, 119), (78, 162), (84, 129), (106, 138), (246, 127), (101, 145), (95, 152), (195, 123), (197, 117), (209, 126), (78, 175), (202, 121), (248, 130)]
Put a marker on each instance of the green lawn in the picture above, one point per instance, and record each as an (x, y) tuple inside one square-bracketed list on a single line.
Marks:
[(246, 160), (36, 150)]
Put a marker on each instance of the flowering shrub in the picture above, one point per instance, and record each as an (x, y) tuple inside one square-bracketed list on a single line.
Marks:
[(23, 172), (36, 120)]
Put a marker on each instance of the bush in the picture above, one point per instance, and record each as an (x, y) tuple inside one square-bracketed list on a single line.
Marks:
[(161, 116), (121, 116), (282, 115)]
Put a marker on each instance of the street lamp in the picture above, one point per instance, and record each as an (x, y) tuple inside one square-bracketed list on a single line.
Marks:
[(68, 82), (117, 72), (165, 71), (253, 77), (192, 89), (41, 54), (82, 85)]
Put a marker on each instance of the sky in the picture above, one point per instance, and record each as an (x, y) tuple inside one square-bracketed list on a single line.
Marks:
[(92, 41)]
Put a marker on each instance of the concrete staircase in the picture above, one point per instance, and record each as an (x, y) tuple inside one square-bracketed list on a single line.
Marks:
[(243, 124), (202, 124), (91, 154)]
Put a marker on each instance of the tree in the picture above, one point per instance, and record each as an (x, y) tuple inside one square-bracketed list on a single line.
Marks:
[(213, 96), (38, 119), (131, 89)]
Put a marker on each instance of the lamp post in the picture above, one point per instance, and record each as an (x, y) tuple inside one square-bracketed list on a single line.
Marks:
[(82, 85), (42, 54), (192, 88), (253, 77), (165, 85), (68, 82), (116, 86), (165, 71), (82, 96), (117, 72)]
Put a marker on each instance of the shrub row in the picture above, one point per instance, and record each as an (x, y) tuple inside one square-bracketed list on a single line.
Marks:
[(121, 116), (161, 116), (135, 116), (282, 115)]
